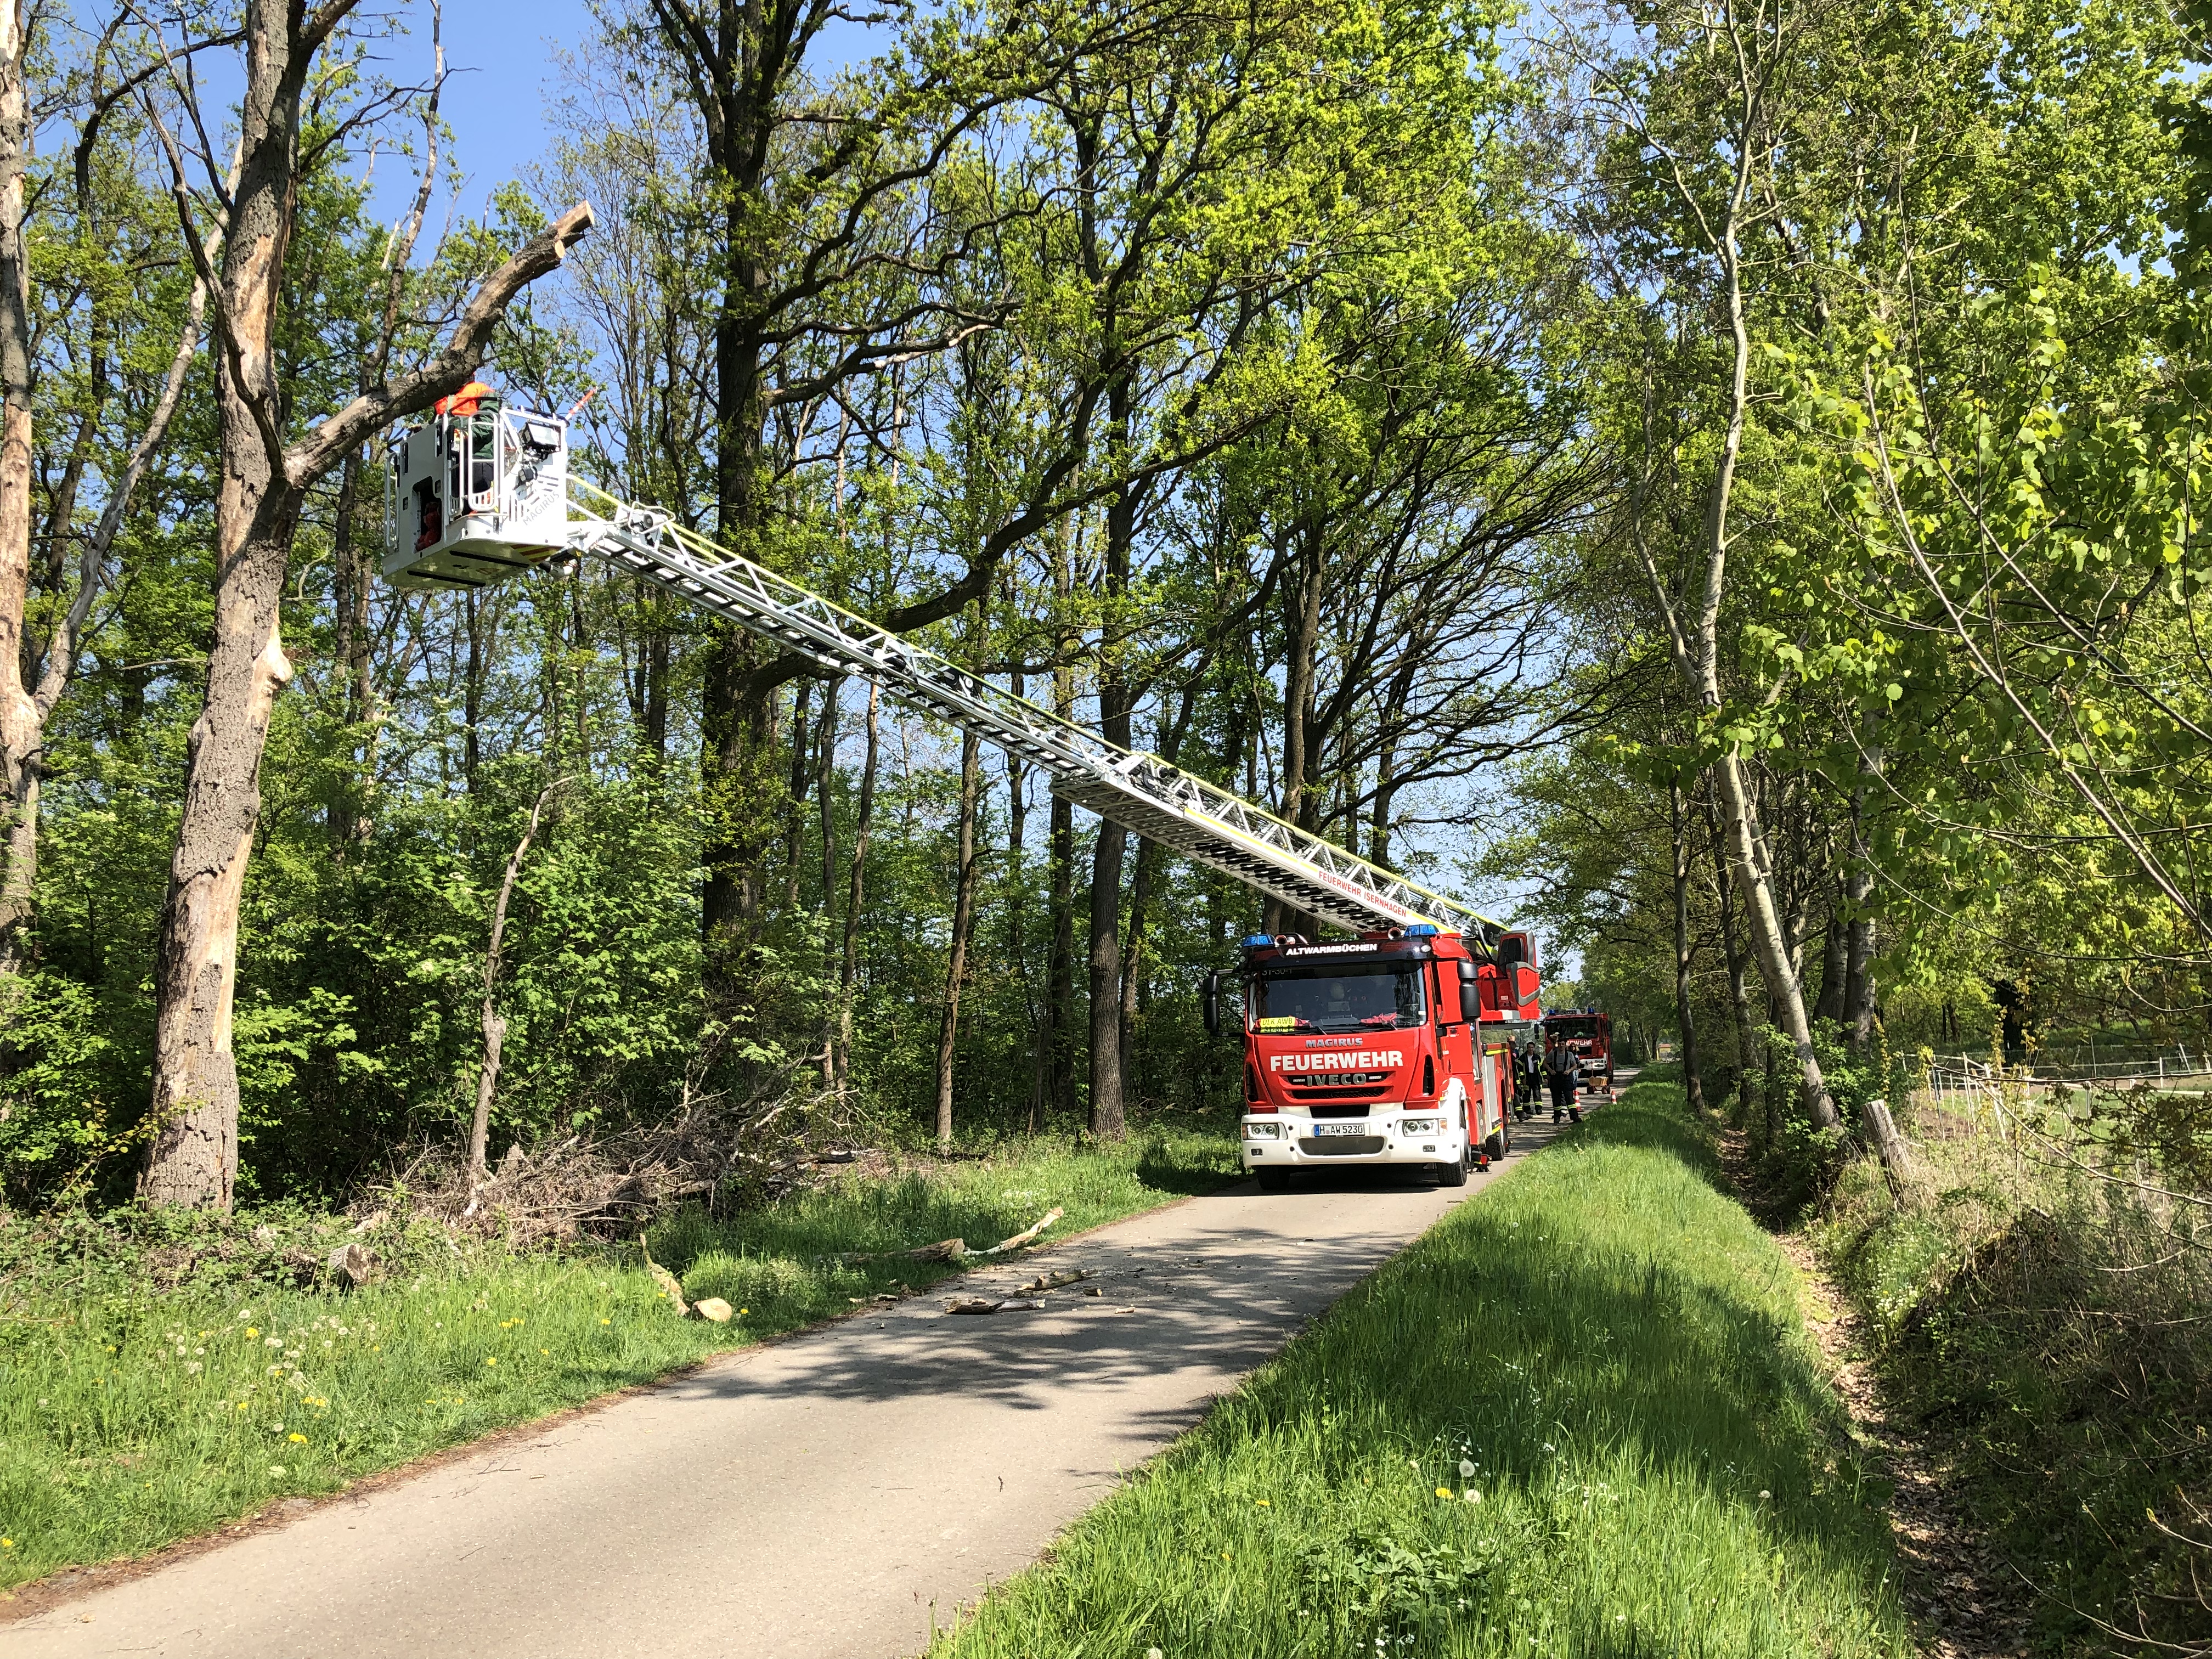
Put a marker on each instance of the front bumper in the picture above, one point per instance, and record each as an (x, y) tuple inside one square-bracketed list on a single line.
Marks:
[(1287, 1141)]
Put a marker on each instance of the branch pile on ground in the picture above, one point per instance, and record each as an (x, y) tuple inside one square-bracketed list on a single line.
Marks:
[(578, 1187)]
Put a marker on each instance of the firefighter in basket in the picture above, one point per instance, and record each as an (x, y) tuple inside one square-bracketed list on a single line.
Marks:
[(473, 410)]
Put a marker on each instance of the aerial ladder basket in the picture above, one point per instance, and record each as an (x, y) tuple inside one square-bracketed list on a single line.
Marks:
[(474, 499)]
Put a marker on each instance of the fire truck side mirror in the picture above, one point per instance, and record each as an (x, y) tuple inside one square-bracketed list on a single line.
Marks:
[(1526, 984), (1470, 1001), (1212, 1003)]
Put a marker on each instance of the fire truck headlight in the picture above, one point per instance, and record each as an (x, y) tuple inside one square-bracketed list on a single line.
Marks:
[(1417, 1126), (1262, 1131)]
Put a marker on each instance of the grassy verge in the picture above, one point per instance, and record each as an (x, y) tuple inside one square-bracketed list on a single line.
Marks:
[(131, 1417), (1581, 1417), (2050, 1329)]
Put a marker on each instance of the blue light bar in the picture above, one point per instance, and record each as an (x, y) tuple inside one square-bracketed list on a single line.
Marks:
[(1420, 930), (1256, 941)]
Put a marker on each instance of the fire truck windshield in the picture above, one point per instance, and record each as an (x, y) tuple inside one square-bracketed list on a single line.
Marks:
[(1337, 998)]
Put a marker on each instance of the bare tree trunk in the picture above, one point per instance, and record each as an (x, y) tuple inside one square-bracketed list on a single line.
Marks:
[(963, 918), (1137, 946), (1693, 1087), (1748, 1046), (849, 966), (1303, 598), (1697, 649), (21, 729), (1831, 1003), (795, 824), (1857, 1012), (1060, 976), (495, 1024), (1018, 814), (825, 775), (1108, 1119), (1771, 948)]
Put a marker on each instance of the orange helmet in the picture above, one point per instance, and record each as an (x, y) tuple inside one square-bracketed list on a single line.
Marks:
[(464, 401)]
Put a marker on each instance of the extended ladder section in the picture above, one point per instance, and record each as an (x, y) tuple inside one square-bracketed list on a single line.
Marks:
[(1140, 791), (484, 494)]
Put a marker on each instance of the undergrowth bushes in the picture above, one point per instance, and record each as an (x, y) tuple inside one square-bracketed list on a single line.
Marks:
[(2054, 1326)]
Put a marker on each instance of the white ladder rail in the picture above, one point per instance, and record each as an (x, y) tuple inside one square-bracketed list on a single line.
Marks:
[(1141, 791)]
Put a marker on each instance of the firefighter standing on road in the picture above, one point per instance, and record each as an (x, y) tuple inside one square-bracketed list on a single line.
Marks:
[(1564, 1069), (1527, 1080)]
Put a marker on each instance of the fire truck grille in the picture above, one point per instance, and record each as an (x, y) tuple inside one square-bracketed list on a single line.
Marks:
[(1336, 1103)]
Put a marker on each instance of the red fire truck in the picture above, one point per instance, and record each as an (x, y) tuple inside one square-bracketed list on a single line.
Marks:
[(1588, 1032), (1395, 1048)]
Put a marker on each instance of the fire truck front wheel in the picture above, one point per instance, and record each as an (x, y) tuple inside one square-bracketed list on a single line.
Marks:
[(1499, 1144), (1453, 1174)]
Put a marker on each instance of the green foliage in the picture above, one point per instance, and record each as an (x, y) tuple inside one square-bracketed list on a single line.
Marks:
[(1580, 1417)]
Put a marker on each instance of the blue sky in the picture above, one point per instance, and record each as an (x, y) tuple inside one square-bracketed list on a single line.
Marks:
[(502, 54)]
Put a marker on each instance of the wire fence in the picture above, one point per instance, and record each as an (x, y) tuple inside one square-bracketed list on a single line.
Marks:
[(2120, 1067)]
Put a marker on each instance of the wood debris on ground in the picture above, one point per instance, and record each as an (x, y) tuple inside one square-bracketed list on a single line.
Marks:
[(983, 1304)]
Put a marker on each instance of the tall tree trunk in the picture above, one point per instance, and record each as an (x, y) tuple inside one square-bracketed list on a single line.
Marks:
[(494, 1021), (1693, 1086), (22, 735), (825, 779), (1060, 977), (1137, 946), (1748, 1046), (476, 623), (963, 917), (1301, 597), (353, 563), (856, 890), (1108, 1119), (1108, 1112), (1018, 814), (1857, 1012), (1769, 944), (795, 824), (192, 1158), (1831, 1003)]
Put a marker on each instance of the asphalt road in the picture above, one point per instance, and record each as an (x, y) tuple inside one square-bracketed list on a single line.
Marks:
[(829, 1497)]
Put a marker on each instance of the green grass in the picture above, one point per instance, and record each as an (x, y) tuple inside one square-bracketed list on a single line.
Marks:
[(1613, 1352), (129, 1416)]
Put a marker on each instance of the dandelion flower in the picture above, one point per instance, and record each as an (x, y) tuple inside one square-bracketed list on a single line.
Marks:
[(1262, 1503), (489, 1360), (1466, 1468), (606, 1321), (252, 1331), (548, 1353), (297, 1439), (1765, 1495), (744, 1310), (7, 1543), (1473, 1496), (1444, 1492)]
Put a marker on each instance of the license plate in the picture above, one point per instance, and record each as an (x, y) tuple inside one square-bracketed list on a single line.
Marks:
[(1339, 1128)]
